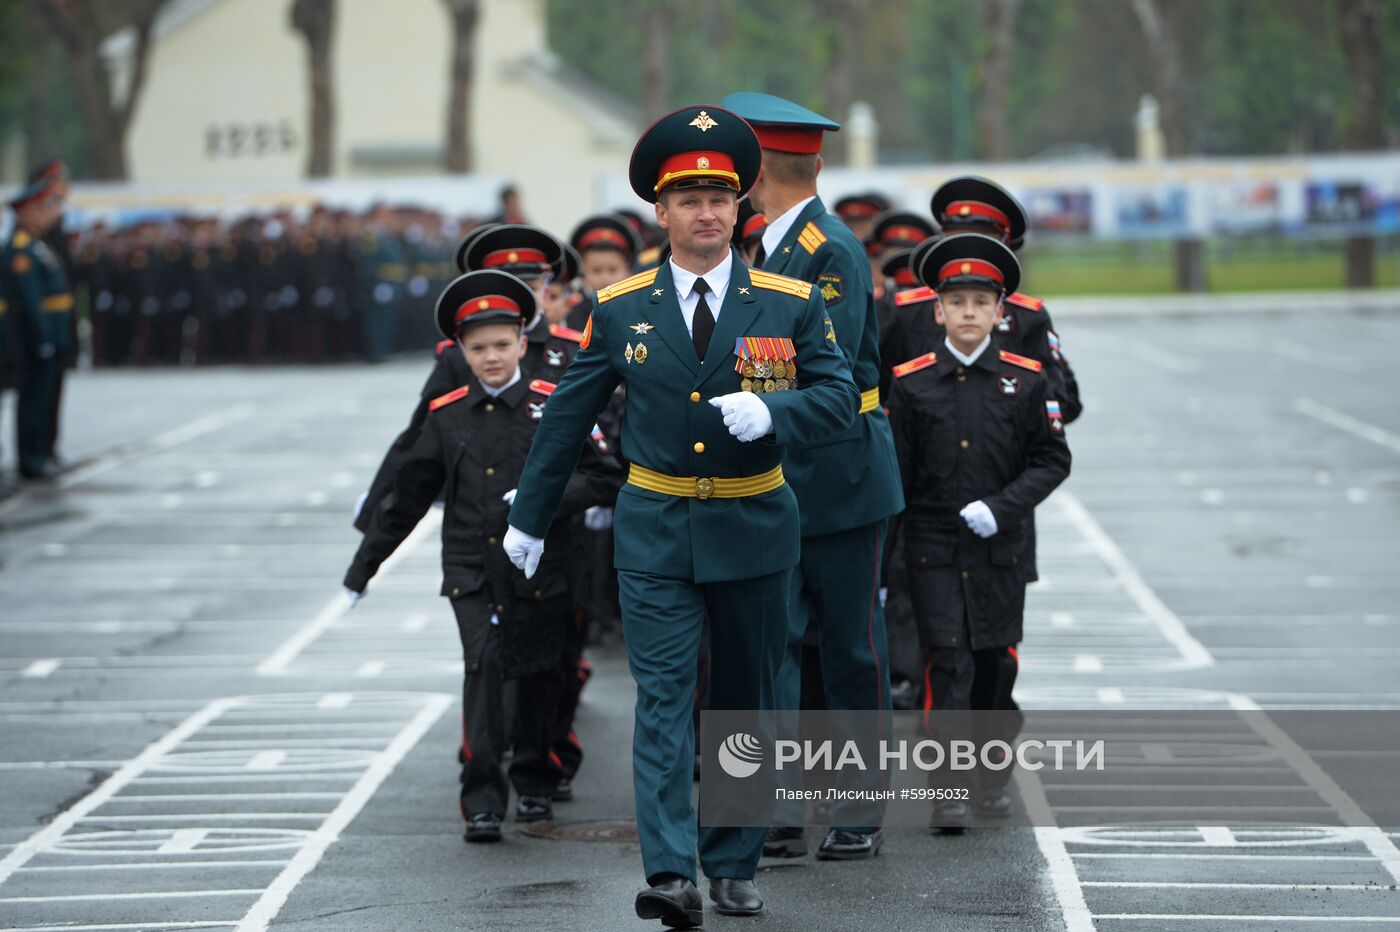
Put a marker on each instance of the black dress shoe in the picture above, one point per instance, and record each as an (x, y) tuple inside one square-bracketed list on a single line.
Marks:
[(839, 845), (533, 809), (951, 818), (734, 897), (564, 792), (994, 804), (783, 841), (674, 900), (483, 827)]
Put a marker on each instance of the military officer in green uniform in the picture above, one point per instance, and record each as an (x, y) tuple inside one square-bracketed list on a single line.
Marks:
[(42, 306), (728, 371), (848, 486)]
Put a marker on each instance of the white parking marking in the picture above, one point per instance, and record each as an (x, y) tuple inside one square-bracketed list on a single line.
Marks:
[(40, 669)]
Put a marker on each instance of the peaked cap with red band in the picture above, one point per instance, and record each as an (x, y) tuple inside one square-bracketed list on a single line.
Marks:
[(968, 260), (896, 266), (695, 147), (606, 231), (485, 297), (461, 254), (861, 206), (971, 203), (896, 229), (781, 125), (517, 248)]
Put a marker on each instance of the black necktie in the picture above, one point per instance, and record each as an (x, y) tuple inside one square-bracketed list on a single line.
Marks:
[(702, 325)]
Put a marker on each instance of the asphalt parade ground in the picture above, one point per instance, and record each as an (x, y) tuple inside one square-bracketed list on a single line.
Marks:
[(197, 735)]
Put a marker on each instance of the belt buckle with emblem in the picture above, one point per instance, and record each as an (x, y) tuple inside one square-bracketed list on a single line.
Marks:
[(704, 488)]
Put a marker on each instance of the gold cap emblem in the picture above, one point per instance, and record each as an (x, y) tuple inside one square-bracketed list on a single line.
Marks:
[(513, 256), (702, 162), (483, 304), (966, 267), (703, 122), (964, 210)]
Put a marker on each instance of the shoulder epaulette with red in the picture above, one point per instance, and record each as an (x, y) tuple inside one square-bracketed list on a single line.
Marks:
[(1026, 301), (914, 296), (441, 347), (454, 395), (559, 331), (543, 387), (914, 365), (1021, 361)]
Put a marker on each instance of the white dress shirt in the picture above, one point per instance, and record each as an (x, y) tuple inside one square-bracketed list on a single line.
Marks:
[(773, 236), (496, 392), (976, 354), (716, 278)]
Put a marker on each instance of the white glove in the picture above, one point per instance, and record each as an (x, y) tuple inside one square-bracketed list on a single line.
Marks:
[(745, 414), (980, 518), (524, 551), (352, 597), (598, 518), (360, 505), (509, 497), (884, 595)]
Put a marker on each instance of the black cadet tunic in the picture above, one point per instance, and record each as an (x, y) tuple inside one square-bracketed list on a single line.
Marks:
[(473, 447), (992, 432)]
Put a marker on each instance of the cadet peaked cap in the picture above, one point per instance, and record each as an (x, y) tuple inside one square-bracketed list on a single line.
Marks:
[(33, 191), (898, 228), (485, 297), (861, 206), (695, 147), (517, 248), (569, 265), (461, 252), (606, 231), (781, 125), (896, 266), (973, 201), (968, 260)]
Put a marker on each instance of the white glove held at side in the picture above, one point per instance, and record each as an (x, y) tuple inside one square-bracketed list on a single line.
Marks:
[(524, 551), (745, 414), (352, 597), (980, 518)]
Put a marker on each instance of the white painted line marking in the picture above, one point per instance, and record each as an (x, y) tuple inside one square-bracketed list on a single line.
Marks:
[(334, 701), (1221, 885), (1346, 422), (1111, 695), (281, 658), (370, 669), (1357, 496), (1241, 917), (1217, 836), (416, 622), (266, 760), (40, 669), (1088, 663), (1064, 878), (182, 841), (206, 479), (317, 498), (1193, 856), (210, 924), (110, 787), (79, 897), (1213, 496), (171, 500), (308, 855), (1193, 652), (1061, 619)]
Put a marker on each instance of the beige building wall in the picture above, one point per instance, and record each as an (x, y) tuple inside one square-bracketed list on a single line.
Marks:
[(226, 100)]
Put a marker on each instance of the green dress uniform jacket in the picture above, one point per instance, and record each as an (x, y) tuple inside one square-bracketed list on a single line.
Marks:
[(851, 479), (637, 335), (39, 297)]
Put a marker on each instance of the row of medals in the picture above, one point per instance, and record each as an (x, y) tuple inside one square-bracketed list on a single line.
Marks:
[(763, 376)]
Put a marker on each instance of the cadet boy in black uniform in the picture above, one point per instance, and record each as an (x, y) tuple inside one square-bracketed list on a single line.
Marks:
[(981, 443), (473, 443)]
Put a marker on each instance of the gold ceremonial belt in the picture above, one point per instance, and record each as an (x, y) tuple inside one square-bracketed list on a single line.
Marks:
[(693, 487), (869, 401), (56, 302)]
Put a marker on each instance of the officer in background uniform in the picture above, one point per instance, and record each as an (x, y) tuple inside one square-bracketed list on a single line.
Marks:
[(41, 305), (473, 443), (706, 526), (847, 487), (981, 444), (858, 211)]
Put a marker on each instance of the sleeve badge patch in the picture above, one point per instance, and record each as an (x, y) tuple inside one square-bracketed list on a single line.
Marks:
[(1052, 411), (830, 286), (830, 331), (587, 334)]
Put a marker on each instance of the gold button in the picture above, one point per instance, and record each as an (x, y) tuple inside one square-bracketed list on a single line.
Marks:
[(964, 574), (490, 407), (538, 593), (501, 608), (960, 370), (492, 472), (962, 378), (699, 448), (695, 397), (456, 592), (490, 540), (963, 443)]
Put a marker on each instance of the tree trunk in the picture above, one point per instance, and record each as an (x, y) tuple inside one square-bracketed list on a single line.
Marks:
[(993, 110), (1168, 75), (76, 26), (315, 20), (657, 21), (1361, 30), (464, 14)]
